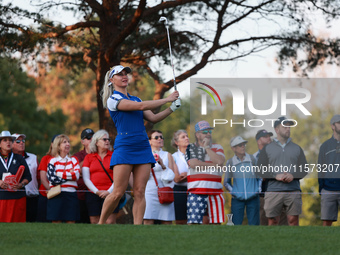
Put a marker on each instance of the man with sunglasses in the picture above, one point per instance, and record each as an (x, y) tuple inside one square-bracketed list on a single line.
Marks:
[(243, 184), (204, 179), (32, 191), (282, 163), (329, 179), (86, 137)]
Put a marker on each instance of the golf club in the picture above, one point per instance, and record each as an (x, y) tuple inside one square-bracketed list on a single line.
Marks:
[(178, 102), (172, 63)]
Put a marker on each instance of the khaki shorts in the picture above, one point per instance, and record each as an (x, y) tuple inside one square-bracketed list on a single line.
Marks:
[(275, 201), (330, 201)]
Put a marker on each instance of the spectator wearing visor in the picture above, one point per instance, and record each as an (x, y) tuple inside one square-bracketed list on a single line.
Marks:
[(243, 184)]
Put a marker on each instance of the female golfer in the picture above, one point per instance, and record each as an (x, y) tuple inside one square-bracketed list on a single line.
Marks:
[(132, 151)]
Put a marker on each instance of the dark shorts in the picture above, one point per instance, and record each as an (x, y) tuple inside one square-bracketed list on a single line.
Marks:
[(95, 203), (180, 196), (64, 207)]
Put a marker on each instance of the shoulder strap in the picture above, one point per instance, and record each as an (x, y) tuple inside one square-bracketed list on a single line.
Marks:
[(153, 174), (105, 170)]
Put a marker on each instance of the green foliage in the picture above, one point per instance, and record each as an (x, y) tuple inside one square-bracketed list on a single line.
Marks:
[(19, 111)]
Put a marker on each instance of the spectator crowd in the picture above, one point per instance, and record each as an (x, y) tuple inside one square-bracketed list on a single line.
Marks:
[(72, 188)]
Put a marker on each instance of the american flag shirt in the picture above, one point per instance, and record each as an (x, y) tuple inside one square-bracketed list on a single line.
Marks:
[(206, 181)]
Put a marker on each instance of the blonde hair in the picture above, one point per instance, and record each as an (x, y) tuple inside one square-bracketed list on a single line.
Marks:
[(107, 90), (97, 136), (56, 144), (49, 150), (175, 137)]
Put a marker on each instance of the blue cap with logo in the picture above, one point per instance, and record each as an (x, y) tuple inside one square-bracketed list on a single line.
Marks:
[(202, 125)]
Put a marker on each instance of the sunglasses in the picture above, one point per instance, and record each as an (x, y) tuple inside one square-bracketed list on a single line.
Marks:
[(156, 137), (206, 132), (106, 139), (19, 141), (88, 137), (241, 145)]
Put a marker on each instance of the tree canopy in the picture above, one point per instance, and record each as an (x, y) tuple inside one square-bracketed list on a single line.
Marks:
[(25, 117), (109, 32)]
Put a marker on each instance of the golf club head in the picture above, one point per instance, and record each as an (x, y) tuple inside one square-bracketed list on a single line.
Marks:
[(163, 19)]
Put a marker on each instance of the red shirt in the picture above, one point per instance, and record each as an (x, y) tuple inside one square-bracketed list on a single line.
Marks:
[(97, 174), (43, 167)]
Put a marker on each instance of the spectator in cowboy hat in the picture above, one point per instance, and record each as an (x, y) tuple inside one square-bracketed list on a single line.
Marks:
[(13, 202)]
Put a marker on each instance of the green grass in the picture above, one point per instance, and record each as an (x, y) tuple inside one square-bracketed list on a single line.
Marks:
[(48, 239)]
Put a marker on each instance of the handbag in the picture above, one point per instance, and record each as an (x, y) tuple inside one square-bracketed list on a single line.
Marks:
[(123, 199), (54, 191), (55, 180), (165, 194)]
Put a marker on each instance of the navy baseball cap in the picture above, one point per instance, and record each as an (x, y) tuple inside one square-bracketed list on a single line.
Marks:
[(54, 137), (262, 133), (283, 120), (87, 133)]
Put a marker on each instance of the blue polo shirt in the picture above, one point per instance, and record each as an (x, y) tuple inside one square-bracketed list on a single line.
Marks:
[(125, 121)]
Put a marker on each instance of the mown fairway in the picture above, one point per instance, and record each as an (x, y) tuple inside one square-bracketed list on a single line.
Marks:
[(47, 239)]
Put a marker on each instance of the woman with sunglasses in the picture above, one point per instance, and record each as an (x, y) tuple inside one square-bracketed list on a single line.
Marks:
[(12, 194), (165, 213), (98, 176), (132, 152)]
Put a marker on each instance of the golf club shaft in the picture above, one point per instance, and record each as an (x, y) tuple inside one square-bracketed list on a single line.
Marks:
[(172, 63)]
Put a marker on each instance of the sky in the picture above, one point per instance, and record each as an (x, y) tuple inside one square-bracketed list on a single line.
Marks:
[(260, 65)]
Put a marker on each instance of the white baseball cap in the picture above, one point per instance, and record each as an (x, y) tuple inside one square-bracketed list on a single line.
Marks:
[(117, 69), (16, 135), (236, 141)]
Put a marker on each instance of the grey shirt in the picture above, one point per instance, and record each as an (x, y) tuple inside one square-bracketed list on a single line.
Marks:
[(276, 158)]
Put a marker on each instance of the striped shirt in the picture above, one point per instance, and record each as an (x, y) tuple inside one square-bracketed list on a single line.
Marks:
[(67, 168), (209, 180)]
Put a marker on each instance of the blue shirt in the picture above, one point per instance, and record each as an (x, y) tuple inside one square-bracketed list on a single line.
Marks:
[(125, 121)]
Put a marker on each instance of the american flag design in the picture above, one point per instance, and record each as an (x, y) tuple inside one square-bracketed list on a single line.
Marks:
[(55, 180), (200, 205), (194, 151)]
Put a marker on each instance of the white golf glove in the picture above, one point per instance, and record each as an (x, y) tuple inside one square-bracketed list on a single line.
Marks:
[(175, 105)]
